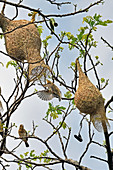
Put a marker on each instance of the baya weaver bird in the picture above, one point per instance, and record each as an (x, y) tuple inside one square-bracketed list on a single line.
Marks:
[(50, 92), (89, 100), (23, 42), (23, 134)]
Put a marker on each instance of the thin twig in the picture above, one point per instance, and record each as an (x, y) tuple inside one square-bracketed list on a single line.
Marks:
[(107, 43)]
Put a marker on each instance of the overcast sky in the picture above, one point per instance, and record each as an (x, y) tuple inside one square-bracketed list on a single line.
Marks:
[(34, 108)]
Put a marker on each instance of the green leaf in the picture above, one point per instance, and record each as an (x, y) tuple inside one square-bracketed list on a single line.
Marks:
[(44, 153), (73, 102), (26, 153), (45, 42), (62, 108), (28, 166), (96, 57), (12, 63), (40, 29), (64, 125), (59, 112), (32, 153), (54, 115), (35, 90), (54, 111), (2, 64), (21, 156), (104, 143), (61, 48), (73, 64), (68, 94), (102, 80), (35, 158), (30, 14), (96, 20), (1, 36), (48, 37)]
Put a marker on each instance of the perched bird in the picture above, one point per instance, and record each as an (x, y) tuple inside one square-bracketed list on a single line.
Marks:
[(50, 92), (53, 24), (23, 134), (23, 42), (89, 100)]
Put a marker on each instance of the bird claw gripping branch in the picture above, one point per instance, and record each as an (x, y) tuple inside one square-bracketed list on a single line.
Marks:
[(89, 100), (24, 43)]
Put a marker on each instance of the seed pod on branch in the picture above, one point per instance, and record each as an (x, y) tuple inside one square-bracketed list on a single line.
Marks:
[(89, 100), (24, 43)]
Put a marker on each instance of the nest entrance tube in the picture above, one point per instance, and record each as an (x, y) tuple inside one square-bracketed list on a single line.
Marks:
[(38, 71)]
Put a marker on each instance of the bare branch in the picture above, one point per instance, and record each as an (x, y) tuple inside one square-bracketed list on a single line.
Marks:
[(109, 101), (87, 147), (54, 15), (58, 4), (99, 158), (107, 43)]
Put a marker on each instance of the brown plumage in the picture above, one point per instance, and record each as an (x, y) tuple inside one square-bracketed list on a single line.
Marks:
[(24, 43), (23, 134), (50, 92), (89, 100), (1, 125)]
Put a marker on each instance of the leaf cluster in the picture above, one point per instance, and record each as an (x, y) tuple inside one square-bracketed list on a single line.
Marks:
[(96, 20), (28, 156), (44, 154), (54, 111)]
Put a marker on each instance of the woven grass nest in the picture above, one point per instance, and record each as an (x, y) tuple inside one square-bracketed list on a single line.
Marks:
[(89, 100), (24, 43)]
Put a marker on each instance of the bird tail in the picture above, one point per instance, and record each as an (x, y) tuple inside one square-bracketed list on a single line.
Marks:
[(100, 122), (26, 143)]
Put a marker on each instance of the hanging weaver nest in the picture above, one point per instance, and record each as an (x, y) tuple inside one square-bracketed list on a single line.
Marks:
[(24, 43), (89, 100)]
